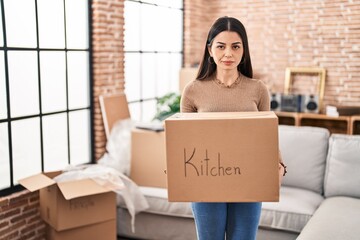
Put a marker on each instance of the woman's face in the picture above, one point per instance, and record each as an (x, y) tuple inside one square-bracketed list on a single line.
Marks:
[(227, 50)]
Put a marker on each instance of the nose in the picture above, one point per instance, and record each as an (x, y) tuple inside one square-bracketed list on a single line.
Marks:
[(228, 52)]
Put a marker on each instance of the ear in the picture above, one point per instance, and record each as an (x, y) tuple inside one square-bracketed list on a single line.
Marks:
[(209, 50)]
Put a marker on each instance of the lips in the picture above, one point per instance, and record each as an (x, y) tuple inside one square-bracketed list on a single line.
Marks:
[(228, 62)]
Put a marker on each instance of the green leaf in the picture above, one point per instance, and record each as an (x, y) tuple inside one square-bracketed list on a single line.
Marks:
[(167, 105)]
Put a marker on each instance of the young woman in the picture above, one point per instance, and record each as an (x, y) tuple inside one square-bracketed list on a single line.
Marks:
[(224, 84)]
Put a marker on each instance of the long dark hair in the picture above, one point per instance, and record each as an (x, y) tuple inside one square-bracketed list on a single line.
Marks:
[(206, 68)]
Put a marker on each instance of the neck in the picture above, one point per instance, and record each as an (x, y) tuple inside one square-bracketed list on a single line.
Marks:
[(227, 77)]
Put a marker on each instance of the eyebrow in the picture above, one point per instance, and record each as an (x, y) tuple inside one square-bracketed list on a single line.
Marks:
[(231, 44)]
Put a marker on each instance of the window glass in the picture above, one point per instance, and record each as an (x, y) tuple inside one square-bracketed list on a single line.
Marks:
[(23, 80), (26, 148), (132, 26), (53, 81), (4, 159), (51, 23), (20, 23), (176, 62), (1, 29), (165, 3), (55, 142), (168, 72), (148, 110), (79, 137), (132, 76), (149, 1), (167, 34), (78, 79), (135, 111), (148, 64), (175, 29), (77, 33), (148, 25), (163, 73), (3, 108), (153, 53)]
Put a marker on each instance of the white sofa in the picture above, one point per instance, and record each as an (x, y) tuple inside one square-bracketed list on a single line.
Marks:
[(320, 195)]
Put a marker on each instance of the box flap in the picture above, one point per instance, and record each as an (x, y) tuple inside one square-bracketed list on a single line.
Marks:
[(36, 182), (222, 115), (52, 175), (80, 188), (114, 107)]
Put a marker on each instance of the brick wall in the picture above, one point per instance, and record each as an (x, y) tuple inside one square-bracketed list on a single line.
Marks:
[(20, 217), (108, 59), (196, 29), (284, 33)]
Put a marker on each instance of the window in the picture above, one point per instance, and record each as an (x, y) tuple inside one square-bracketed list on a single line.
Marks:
[(153, 53), (45, 107)]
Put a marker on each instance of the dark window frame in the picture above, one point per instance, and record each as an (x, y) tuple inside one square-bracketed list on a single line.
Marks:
[(15, 188)]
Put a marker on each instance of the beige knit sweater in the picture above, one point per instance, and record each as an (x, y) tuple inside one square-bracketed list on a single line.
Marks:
[(244, 95), (210, 95)]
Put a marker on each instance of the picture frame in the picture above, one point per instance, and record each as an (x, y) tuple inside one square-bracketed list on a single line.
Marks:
[(320, 89)]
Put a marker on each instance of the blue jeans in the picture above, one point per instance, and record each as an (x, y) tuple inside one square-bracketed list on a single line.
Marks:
[(237, 221)]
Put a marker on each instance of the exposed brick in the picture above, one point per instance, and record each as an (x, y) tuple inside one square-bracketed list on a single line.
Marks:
[(28, 228), (108, 61), (9, 236), (287, 34), (10, 213), (24, 216), (26, 236), (39, 238), (17, 204), (19, 198), (11, 228), (36, 218), (4, 202), (3, 224), (30, 207)]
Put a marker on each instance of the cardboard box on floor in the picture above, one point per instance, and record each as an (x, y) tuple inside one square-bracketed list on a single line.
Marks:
[(72, 204), (222, 157), (103, 230), (148, 160)]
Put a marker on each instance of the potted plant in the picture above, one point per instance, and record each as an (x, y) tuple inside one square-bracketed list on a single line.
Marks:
[(167, 105)]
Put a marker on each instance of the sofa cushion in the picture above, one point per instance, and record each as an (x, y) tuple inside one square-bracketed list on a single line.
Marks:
[(336, 218), (342, 176), (304, 151), (294, 210), (158, 203)]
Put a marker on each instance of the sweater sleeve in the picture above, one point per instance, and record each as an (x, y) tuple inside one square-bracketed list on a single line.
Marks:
[(186, 104), (264, 97)]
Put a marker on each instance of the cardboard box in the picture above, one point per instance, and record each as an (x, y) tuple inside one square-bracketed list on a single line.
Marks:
[(222, 157), (71, 204), (186, 75), (148, 161), (103, 230)]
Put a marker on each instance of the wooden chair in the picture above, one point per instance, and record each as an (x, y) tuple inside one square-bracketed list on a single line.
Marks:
[(113, 107)]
